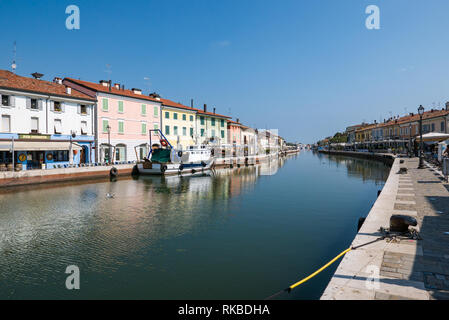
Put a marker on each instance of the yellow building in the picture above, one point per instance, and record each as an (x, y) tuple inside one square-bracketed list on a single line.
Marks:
[(178, 123)]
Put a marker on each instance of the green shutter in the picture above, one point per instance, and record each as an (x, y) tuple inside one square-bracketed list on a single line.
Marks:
[(202, 132), (105, 126), (175, 130), (121, 127), (222, 134), (213, 122), (184, 117), (202, 120), (184, 131), (144, 128), (156, 126), (175, 116), (167, 115), (144, 109), (120, 106), (156, 112), (191, 132), (167, 130), (105, 105), (222, 122), (191, 118)]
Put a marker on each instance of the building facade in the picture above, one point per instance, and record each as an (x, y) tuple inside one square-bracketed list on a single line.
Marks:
[(123, 120), (211, 127), (44, 124), (178, 124)]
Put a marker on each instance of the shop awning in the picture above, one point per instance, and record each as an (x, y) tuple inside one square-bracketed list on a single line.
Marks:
[(433, 137), (38, 146)]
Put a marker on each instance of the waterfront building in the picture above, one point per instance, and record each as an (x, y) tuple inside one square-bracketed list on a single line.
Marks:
[(234, 132), (350, 132), (178, 123), (123, 119), (43, 124), (249, 137), (211, 127)]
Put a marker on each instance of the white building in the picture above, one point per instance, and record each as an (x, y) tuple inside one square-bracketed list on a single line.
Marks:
[(51, 125)]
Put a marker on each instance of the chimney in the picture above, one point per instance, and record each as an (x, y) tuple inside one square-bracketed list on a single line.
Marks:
[(123, 87), (57, 80), (238, 120), (136, 91), (205, 107), (68, 90), (117, 86), (110, 85), (447, 106), (214, 110), (104, 83), (37, 75), (191, 103)]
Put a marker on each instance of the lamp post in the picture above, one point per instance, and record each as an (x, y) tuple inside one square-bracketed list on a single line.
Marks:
[(421, 161), (410, 139), (109, 143)]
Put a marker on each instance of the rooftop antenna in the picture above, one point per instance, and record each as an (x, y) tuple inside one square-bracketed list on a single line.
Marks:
[(14, 65)]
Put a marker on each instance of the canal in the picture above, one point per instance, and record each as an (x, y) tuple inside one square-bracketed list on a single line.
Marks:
[(242, 233)]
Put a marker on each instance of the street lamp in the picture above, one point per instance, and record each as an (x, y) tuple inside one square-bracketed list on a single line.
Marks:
[(421, 160), (109, 143)]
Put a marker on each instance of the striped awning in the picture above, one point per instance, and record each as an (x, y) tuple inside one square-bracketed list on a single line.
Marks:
[(38, 146)]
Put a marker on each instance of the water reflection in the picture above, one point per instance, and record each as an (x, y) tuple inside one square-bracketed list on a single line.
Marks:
[(169, 237), (367, 170)]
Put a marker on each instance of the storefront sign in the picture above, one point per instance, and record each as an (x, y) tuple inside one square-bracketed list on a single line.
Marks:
[(34, 136)]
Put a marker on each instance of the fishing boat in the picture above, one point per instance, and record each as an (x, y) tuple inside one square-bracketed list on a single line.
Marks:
[(164, 159)]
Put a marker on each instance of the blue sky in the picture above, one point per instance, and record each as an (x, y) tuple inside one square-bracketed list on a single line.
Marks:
[(309, 68)]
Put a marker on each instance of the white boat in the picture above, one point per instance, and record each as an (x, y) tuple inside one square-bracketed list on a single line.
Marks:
[(166, 160)]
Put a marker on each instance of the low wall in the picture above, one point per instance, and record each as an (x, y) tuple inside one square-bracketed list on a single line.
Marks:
[(387, 158), (21, 178)]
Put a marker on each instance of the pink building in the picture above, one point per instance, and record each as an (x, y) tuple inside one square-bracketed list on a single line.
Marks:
[(123, 119), (234, 132)]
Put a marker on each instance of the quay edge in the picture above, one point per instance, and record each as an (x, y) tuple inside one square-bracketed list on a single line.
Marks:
[(349, 281)]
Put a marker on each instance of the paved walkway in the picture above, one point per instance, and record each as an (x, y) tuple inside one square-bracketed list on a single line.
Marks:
[(406, 269)]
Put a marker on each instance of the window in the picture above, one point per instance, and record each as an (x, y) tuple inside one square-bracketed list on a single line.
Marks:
[(144, 128), (58, 126), (83, 109), (105, 126), (156, 126), (191, 118), (191, 132), (5, 100), (213, 122), (167, 115), (175, 130), (222, 134), (222, 122), (184, 131), (202, 120), (105, 105), (6, 123), (433, 127), (184, 117), (213, 133), (120, 107), (202, 132), (175, 116), (121, 127), (156, 111), (144, 109), (57, 106), (442, 126), (167, 129), (34, 125), (83, 128), (34, 104)]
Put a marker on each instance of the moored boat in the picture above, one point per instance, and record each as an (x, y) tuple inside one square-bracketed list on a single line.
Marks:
[(164, 159)]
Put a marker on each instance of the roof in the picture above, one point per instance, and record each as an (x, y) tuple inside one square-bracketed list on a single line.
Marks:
[(9, 80), (169, 103), (98, 87), (213, 114)]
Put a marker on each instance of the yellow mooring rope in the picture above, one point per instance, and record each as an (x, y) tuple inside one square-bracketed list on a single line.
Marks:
[(293, 286)]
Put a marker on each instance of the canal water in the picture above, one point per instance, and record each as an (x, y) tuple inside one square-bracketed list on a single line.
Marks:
[(242, 233)]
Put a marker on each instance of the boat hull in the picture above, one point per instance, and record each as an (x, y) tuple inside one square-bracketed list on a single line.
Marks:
[(174, 168)]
